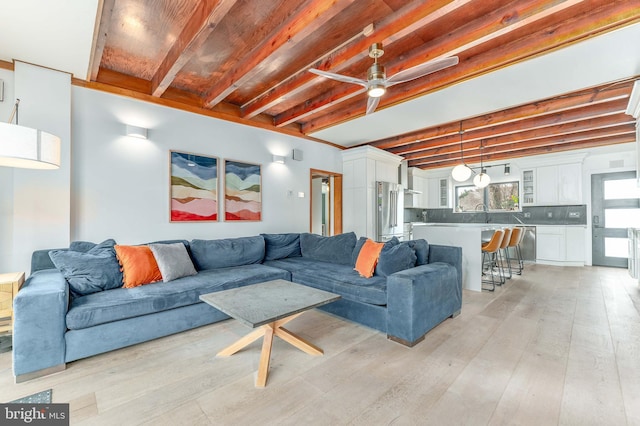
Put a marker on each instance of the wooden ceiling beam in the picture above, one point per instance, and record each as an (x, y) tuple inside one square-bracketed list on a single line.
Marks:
[(502, 21), (588, 112), (405, 21), (302, 22), (489, 153), (473, 155), (100, 37), (553, 105), (203, 21), (605, 122), (592, 22), (539, 151)]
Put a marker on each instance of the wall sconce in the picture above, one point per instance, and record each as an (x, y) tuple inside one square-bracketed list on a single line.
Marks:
[(278, 159), (136, 132), (507, 170)]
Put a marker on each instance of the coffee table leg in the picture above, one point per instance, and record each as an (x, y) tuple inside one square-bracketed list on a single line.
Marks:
[(268, 331), (265, 355), (246, 340), (298, 341)]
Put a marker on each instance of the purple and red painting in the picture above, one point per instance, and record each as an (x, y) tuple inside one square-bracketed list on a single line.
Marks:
[(242, 191), (194, 187)]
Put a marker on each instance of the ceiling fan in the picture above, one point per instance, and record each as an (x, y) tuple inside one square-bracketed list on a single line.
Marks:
[(377, 82)]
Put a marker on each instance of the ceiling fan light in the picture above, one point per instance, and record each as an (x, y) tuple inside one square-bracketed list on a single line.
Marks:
[(376, 90), (461, 172), (481, 180)]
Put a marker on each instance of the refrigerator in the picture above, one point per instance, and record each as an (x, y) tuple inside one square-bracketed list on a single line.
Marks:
[(389, 211)]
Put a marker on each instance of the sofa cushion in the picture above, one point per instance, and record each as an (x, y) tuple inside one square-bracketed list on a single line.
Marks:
[(123, 303), (395, 259), (139, 267), (224, 253), (421, 248), (340, 279), (337, 249), (280, 246), (368, 258), (173, 261), (89, 272)]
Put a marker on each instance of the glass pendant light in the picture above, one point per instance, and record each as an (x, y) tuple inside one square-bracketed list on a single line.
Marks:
[(482, 179), (461, 172)]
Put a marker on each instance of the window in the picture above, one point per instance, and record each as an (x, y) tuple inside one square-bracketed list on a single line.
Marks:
[(496, 196)]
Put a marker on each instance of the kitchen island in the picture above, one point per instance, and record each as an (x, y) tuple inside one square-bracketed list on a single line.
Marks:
[(467, 236)]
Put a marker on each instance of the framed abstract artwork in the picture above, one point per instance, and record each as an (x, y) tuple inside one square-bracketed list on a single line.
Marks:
[(194, 187), (242, 191)]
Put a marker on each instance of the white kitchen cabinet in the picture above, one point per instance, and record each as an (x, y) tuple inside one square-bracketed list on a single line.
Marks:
[(528, 187), (550, 243), (570, 184), (362, 167), (560, 245), (552, 185), (547, 185)]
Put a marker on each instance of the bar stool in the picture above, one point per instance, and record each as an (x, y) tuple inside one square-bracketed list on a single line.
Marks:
[(516, 238), (491, 248), (502, 255)]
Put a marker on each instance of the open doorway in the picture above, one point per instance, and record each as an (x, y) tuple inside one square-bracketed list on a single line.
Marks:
[(326, 203)]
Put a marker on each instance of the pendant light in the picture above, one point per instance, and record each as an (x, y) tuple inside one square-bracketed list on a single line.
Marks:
[(26, 147), (461, 172), (482, 179)]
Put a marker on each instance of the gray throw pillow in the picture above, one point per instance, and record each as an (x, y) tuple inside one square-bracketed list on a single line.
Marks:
[(96, 270), (173, 261)]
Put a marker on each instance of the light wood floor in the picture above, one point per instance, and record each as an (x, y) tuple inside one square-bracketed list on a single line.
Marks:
[(555, 346)]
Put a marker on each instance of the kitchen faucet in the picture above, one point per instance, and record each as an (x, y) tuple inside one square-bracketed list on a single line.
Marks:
[(483, 207)]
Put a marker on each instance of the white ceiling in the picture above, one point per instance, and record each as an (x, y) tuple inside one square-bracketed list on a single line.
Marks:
[(59, 35), (53, 34)]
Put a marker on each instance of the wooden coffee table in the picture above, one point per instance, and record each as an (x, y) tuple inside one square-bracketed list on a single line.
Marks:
[(268, 306)]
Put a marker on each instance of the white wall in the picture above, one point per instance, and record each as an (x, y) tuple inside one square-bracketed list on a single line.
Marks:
[(6, 181), (35, 204), (121, 184)]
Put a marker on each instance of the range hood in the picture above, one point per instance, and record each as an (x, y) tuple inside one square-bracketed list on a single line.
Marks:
[(406, 178)]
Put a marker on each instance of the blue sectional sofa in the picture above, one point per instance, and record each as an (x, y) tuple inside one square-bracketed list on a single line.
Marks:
[(414, 289)]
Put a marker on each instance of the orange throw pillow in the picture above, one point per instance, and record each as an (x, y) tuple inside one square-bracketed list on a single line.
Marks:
[(368, 258), (138, 265)]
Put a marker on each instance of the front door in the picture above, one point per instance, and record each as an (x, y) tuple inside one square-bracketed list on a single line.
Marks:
[(615, 206)]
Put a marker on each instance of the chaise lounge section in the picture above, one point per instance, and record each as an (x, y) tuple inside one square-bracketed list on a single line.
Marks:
[(54, 324)]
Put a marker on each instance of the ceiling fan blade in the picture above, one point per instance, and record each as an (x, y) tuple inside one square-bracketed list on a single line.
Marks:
[(339, 77), (372, 104), (421, 70)]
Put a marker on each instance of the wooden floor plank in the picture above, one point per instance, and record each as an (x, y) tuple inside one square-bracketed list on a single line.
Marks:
[(557, 345)]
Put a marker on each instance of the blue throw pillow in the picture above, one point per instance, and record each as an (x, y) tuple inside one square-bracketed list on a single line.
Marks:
[(280, 246), (356, 250), (83, 246), (421, 248), (223, 253), (337, 249), (394, 259), (96, 270)]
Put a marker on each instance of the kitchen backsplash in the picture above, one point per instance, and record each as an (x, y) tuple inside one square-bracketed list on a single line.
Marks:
[(542, 215)]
